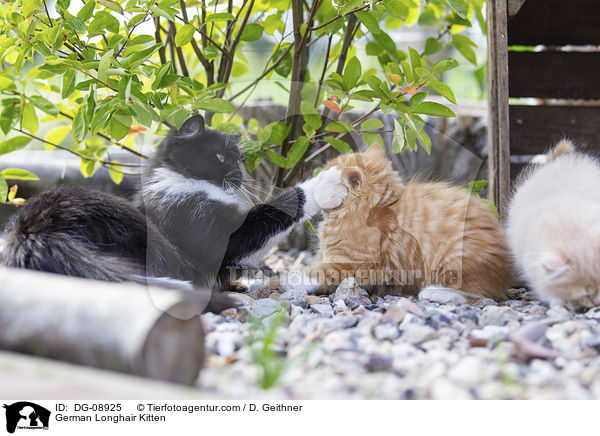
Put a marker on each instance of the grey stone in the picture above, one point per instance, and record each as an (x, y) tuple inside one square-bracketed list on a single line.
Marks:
[(417, 333), (264, 307), (498, 315), (349, 289), (294, 294), (301, 303), (322, 309), (259, 292), (386, 330)]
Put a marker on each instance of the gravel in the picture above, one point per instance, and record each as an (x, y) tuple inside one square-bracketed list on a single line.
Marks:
[(349, 345)]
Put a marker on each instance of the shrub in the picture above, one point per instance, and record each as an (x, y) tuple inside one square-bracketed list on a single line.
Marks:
[(95, 70)]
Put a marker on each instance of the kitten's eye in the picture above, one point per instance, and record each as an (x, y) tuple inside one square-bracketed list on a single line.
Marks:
[(221, 157)]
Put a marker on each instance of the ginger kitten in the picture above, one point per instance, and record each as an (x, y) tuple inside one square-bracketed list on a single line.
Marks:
[(392, 236), (554, 227)]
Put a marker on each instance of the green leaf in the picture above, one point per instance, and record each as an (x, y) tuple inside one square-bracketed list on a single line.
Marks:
[(369, 20), (407, 72), (88, 167), (103, 21), (399, 142), (220, 16), (29, 120), (396, 8), (464, 46), (273, 23), (339, 127), (18, 174), (460, 7), (297, 150), (112, 5), (274, 133), (442, 89), (44, 105), (217, 105), (105, 63), (253, 160), (372, 124), (252, 32), (432, 45), (476, 186), (79, 129), (352, 73), (432, 108), (28, 8), (184, 35), (115, 173), (417, 98), (339, 145), (56, 135), (415, 59), (3, 189), (13, 144), (444, 65), (373, 138), (425, 141), (119, 126), (312, 118), (68, 83), (85, 13), (7, 117)]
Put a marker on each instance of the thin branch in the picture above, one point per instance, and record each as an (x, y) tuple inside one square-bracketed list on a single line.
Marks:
[(129, 35), (178, 50), (158, 39), (265, 72), (323, 72), (102, 162), (48, 13)]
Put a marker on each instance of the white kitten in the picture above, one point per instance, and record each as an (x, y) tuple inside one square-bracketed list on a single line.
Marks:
[(554, 227)]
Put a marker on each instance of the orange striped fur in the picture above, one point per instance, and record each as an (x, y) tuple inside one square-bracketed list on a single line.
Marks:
[(386, 233)]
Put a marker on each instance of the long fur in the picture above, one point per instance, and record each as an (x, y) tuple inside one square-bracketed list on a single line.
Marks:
[(186, 225), (553, 226), (390, 235)]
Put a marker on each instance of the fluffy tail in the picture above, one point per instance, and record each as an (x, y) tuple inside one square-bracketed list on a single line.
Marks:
[(61, 253), (564, 147), (65, 254)]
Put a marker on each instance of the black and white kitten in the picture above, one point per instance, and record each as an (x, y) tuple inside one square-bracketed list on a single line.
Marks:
[(188, 226)]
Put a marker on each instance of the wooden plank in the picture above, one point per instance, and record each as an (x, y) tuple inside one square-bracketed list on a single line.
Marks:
[(555, 22), (23, 376), (498, 127), (554, 74), (533, 129)]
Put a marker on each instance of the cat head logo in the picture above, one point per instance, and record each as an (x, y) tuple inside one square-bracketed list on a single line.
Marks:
[(26, 415)]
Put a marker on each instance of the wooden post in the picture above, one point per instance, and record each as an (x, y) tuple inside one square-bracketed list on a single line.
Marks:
[(116, 326), (498, 126)]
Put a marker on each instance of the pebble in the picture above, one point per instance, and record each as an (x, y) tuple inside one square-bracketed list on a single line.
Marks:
[(294, 294), (416, 333), (498, 315), (350, 346), (264, 307), (349, 289), (322, 309)]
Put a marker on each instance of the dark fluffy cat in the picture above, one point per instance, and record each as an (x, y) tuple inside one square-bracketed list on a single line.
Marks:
[(188, 225)]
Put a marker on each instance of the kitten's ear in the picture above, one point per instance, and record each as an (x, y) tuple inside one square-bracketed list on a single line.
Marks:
[(192, 126), (375, 150), (554, 265), (352, 178)]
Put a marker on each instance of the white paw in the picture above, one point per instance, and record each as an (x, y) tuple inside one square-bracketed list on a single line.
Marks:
[(442, 295), (330, 192)]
